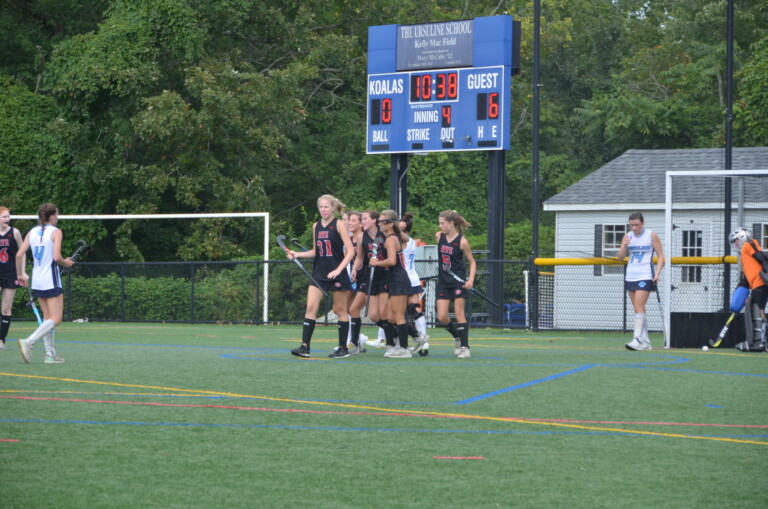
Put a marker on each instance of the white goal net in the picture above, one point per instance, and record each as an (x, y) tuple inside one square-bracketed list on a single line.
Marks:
[(262, 216), (702, 272)]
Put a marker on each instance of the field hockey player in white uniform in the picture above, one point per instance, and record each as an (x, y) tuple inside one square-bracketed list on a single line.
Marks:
[(44, 241), (640, 280), (420, 339)]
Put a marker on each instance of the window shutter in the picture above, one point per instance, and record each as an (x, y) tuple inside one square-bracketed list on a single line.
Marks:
[(598, 251), (757, 234)]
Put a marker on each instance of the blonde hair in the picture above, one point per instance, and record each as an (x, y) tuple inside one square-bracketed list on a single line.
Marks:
[(454, 217), (336, 204)]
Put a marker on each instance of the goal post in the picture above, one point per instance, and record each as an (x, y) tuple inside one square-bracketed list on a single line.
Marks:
[(697, 294), (215, 215)]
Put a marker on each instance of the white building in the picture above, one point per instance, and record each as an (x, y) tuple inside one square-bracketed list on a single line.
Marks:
[(592, 216)]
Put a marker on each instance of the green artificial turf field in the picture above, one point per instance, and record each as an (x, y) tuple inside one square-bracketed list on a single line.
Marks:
[(151, 415)]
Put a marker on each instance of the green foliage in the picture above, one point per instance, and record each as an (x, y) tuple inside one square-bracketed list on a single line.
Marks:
[(230, 294), (751, 111), (190, 105)]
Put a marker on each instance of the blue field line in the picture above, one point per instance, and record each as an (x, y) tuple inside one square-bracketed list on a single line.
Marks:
[(526, 384), (343, 428)]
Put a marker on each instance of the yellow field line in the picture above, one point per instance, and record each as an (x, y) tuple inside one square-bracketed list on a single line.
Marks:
[(389, 410)]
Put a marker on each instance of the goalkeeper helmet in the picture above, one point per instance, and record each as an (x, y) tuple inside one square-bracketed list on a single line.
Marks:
[(743, 235)]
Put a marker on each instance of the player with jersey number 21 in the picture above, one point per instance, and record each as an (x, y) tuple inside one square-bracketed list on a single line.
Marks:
[(639, 244), (44, 241)]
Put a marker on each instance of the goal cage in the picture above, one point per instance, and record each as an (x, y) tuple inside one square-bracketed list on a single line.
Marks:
[(162, 269), (704, 272)]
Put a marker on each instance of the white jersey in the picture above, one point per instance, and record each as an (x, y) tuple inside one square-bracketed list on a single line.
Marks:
[(409, 255), (45, 270), (640, 252)]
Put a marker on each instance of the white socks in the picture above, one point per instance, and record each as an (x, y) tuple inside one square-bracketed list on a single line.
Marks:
[(421, 325), (641, 327), (41, 331), (48, 340)]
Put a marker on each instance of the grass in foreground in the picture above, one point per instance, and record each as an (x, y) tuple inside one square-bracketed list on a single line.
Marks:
[(213, 416)]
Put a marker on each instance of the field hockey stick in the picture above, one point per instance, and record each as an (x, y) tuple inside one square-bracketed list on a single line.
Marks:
[(714, 343), (473, 290), (81, 245), (31, 303), (295, 242), (661, 309), (281, 243), (738, 299), (374, 254)]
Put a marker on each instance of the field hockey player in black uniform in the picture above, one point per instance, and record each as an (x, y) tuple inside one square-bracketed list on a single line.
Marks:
[(332, 251), (10, 240), (453, 248), (398, 285), (353, 220), (371, 238)]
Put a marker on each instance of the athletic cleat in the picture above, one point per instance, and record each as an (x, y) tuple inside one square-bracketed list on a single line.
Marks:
[(302, 351), (2, 344), (638, 344), (463, 353), (400, 353), (456, 346), (25, 350), (419, 342), (340, 353), (390, 350), (53, 359)]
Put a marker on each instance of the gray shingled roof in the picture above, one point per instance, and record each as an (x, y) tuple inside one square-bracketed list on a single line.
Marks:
[(644, 171)]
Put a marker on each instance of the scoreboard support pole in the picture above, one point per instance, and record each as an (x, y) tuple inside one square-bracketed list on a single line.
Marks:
[(497, 184), (398, 183)]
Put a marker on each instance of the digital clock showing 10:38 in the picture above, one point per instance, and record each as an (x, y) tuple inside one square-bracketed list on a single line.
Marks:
[(439, 110)]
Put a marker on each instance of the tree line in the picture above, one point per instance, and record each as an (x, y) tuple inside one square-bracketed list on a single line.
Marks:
[(154, 106)]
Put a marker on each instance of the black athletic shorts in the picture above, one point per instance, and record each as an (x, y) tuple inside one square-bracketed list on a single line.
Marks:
[(10, 284), (399, 283), (759, 296), (633, 286), (340, 284), (451, 292)]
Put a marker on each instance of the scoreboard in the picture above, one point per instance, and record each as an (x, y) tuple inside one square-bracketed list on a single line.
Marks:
[(439, 110)]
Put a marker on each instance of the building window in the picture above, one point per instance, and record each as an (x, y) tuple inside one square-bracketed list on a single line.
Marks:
[(612, 236), (692, 246)]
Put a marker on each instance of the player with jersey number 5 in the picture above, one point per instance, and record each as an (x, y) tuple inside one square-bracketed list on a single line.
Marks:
[(10, 240), (44, 241), (639, 244), (332, 251), (453, 247)]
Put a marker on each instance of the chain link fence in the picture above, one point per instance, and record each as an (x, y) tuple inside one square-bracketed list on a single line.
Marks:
[(234, 292)]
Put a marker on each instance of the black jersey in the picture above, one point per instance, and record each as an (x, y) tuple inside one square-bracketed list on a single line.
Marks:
[(396, 274), (369, 244), (8, 250), (329, 249), (451, 257)]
